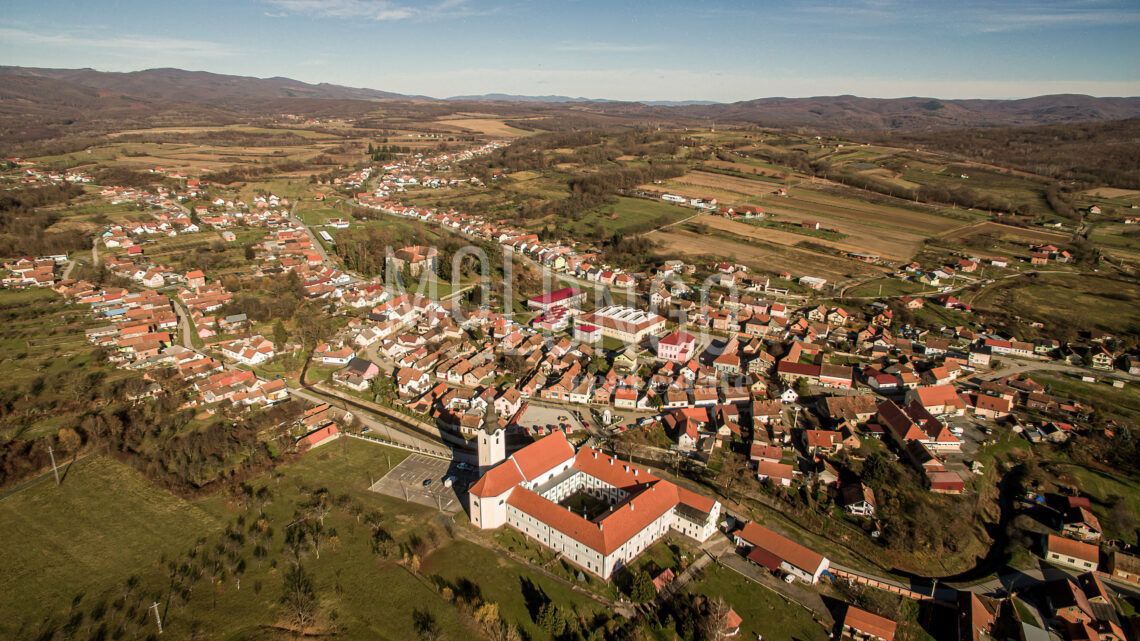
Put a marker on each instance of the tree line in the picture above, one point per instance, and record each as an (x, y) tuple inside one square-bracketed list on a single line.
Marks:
[(24, 223), (1089, 153)]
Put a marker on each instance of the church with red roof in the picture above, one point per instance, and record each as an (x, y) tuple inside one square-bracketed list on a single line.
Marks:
[(596, 510)]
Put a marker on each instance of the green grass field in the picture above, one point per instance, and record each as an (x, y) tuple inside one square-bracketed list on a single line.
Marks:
[(764, 611), (886, 287), (626, 216), (1064, 300), (107, 522), (42, 338), (319, 215), (103, 524), (505, 582)]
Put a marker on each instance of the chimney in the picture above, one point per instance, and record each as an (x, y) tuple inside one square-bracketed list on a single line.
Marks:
[(635, 471), (611, 460), (631, 506)]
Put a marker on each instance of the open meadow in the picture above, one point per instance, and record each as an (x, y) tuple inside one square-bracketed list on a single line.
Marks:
[(107, 523), (490, 126), (694, 240), (1064, 301), (891, 231)]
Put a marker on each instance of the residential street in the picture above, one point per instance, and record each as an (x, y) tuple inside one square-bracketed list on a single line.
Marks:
[(185, 325), (382, 428)]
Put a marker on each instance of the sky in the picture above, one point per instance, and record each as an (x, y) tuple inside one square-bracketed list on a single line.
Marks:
[(722, 50)]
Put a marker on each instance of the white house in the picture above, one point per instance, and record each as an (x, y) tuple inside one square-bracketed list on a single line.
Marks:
[(779, 553)]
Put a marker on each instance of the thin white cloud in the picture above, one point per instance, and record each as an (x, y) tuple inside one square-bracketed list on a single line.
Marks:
[(377, 10), (1044, 18), (970, 16), (118, 44), (591, 46)]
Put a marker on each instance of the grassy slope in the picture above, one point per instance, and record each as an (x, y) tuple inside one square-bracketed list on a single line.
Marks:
[(41, 335), (501, 581), (1065, 300), (764, 612), (105, 523)]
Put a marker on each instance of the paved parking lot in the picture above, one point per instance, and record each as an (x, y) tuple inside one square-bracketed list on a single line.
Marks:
[(406, 482), (549, 417), (972, 439)]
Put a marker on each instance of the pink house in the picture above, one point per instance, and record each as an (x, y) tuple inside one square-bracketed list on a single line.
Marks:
[(678, 347)]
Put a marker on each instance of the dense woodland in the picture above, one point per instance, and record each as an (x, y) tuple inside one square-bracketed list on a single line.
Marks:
[(25, 217), (1090, 154), (155, 436)]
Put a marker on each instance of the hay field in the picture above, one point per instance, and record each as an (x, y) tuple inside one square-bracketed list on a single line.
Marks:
[(890, 244), (1114, 193), (489, 126), (766, 257), (1006, 232), (893, 232), (753, 167)]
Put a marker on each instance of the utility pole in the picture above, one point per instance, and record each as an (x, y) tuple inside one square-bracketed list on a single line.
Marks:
[(157, 616), (54, 469)]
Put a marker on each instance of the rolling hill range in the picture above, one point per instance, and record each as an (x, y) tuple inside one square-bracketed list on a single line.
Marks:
[(853, 113), (39, 104)]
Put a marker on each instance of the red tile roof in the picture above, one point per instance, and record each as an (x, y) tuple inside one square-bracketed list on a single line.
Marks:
[(543, 455), (498, 480), (1075, 549), (938, 395), (555, 296), (782, 547), (314, 438), (677, 338), (871, 624)]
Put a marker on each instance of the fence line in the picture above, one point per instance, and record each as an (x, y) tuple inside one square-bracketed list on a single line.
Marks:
[(411, 448)]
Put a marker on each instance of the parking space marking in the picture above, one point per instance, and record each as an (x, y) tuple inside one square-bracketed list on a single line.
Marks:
[(405, 481)]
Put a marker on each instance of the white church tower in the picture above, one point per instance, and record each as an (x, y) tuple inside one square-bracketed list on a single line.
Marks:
[(492, 449)]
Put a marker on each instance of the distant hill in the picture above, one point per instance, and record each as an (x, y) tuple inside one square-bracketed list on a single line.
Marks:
[(38, 104), (41, 104), (852, 113), (183, 86), (510, 97)]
